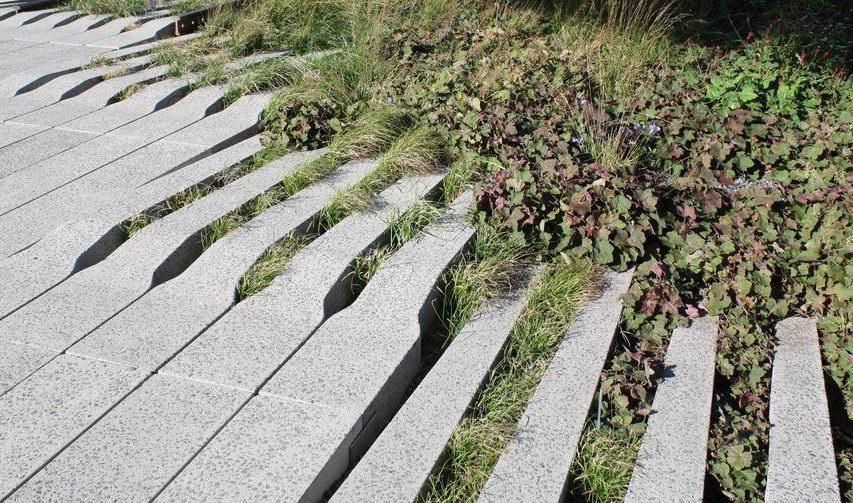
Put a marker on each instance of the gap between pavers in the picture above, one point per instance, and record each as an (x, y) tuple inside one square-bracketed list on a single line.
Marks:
[(536, 462), (113, 459), (87, 240), (158, 252), (671, 463), (801, 463), (399, 463), (337, 390)]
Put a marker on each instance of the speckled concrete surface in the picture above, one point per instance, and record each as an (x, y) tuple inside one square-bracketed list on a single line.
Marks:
[(801, 464), (671, 463)]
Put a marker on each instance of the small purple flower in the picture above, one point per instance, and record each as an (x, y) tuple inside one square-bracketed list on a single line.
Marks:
[(638, 127), (577, 140), (654, 129), (390, 100)]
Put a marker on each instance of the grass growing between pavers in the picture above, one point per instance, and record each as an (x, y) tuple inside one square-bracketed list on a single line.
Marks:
[(481, 437), (418, 151), (374, 133), (603, 464), (195, 192), (117, 8)]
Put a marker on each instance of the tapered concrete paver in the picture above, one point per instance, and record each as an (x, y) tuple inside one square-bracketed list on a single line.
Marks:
[(337, 390), (68, 312), (100, 156), (72, 56), (193, 107), (52, 407), (150, 99), (41, 178), (671, 463), (57, 89), (63, 87), (399, 463), (152, 30), (93, 99), (18, 361), (188, 304), (105, 31), (801, 464), (275, 322), (535, 464), (75, 27), (139, 446), (84, 241), (10, 46)]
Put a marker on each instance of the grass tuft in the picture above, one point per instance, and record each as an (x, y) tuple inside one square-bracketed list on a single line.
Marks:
[(118, 8), (604, 463), (264, 271)]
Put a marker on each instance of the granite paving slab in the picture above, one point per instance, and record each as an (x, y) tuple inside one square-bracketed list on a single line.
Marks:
[(535, 464), (107, 30), (158, 252), (801, 464), (11, 133), (91, 100), (275, 322), (18, 361), (36, 148), (671, 463), (137, 448), (153, 97), (338, 389), (51, 408), (252, 458)]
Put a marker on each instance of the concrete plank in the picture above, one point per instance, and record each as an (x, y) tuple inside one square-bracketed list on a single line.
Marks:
[(188, 304), (150, 99), (95, 234), (399, 463), (17, 362), (671, 463), (75, 307), (275, 322), (36, 148), (137, 448), (93, 99), (801, 464), (11, 133), (47, 411), (251, 459), (363, 358)]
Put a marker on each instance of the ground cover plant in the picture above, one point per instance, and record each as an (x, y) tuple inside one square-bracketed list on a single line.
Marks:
[(707, 144)]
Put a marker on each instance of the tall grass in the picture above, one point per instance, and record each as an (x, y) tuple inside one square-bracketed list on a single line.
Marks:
[(117, 8)]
